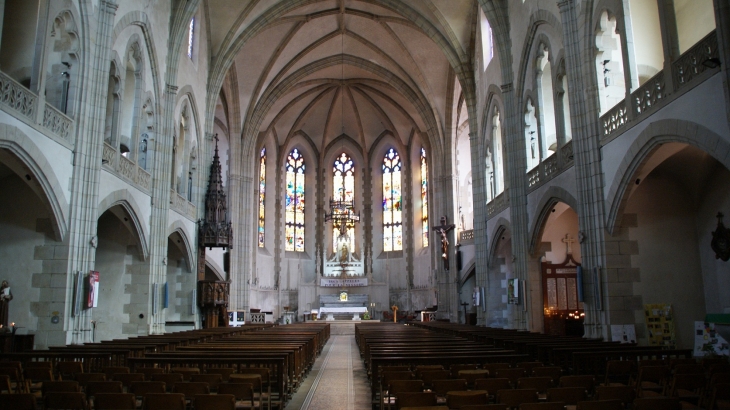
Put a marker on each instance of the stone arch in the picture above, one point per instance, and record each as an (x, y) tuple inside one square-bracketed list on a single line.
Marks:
[(503, 225), (656, 134), (123, 198), (62, 61), (552, 196), (19, 144), (187, 245), (470, 270), (533, 36)]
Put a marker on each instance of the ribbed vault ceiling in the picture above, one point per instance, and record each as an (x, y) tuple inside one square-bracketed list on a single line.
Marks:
[(332, 67)]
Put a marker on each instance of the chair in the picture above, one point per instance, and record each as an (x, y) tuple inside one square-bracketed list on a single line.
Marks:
[(254, 380), (85, 378), (568, 395), (492, 386), (441, 387), (651, 380), (5, 384), (689, 369), (457, 399), (15, 376), (541, 384), (39, 365), (720, 398), (515, 397), (71, 386), (265, 381), (548, 405), (624, 394), (241, 391), (511, 374), (110, 371), (168, 378), (586, 381), (673, 363), (553, 372), (498, 406), (492, 367), (18, 401), (35, 377), (94, 388), (190, 389), (164, 401), (415, 399), (65, 401), (427, 367), (149, 371), (456, 368), (395, 369), (400, 386), (115, 401), (600, 405), (619, 372), (528, 366), (185, 371), (429, 376), (225, 372), (687, 387), (213, 380), (471, 375), (215, 402), (386, 378), (657, 403), (67, 369), (128, 378), (140, 389)]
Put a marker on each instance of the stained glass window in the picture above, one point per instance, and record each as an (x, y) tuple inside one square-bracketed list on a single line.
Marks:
[(262, 195), (191, 38), (294, 208), (424, 197), (392, 220), (343, 189)]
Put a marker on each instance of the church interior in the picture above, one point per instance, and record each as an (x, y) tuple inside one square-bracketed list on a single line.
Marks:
[(552, 167)]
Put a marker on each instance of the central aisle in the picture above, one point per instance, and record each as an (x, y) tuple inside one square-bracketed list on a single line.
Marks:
[(337, 380)]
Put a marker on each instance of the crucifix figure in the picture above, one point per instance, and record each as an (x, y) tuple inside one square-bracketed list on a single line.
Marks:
[(569, 242), (443, 230)]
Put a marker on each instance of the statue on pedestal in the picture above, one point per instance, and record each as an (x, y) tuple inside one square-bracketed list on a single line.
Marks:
[(5, 297)]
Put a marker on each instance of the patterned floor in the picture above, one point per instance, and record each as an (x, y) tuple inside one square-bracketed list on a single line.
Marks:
[(337, 380)]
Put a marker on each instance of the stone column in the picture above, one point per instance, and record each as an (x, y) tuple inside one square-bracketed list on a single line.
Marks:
[(722, 21), (670, 41), (478, 175), (87, 167), (586, 148)]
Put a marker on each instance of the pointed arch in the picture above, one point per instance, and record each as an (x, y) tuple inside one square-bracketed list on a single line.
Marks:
[(549, 199), (656, 134), (126, 201), (187, 245), (22, 147)]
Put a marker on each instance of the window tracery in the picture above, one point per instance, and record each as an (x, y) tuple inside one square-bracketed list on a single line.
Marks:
[(392, 212), (294, 207), (262, 195), (424, 197), (343, 189)]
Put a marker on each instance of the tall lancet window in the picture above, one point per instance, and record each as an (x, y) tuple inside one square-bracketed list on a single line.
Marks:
[(343, 189), (294, 202), (262, 195), (392, 215), (424, 197)]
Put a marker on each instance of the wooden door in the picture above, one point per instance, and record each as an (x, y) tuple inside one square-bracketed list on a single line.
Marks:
[(562, 311)]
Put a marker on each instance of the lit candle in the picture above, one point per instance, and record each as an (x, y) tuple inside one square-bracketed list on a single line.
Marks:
[(12, 324)]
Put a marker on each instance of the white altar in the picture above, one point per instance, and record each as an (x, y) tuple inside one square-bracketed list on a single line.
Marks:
[(330, 311)]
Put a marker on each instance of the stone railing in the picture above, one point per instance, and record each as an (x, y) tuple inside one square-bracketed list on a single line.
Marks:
[(690, 64), (652, 95), (533, 177), (549, 167), (109, 156), (17, 97), (126, 167), (466, 236), (648, 95), (257, 317), (182, 206), (497, 204), (58, 123), (615, 118), (566, 152)]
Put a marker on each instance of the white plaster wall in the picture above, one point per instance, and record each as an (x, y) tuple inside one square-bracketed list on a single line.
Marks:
[(703, 105), (688, 13), (109, 183)]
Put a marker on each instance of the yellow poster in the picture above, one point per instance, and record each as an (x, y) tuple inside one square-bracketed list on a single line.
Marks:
[(660, 325)]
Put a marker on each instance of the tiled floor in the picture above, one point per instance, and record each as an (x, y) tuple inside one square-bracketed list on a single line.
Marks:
[(337, 380)]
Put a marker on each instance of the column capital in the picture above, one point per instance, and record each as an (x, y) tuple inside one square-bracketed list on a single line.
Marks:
[(170, 89), (110, 6), (563, 5), (507, 87)]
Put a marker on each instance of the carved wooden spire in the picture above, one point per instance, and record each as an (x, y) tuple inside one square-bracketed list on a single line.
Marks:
[(216, 231)]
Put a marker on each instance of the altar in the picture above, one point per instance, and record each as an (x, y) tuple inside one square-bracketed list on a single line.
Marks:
[(330, 311)]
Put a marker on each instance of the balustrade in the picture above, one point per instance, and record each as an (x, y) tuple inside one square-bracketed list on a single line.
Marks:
[(692, 63), (649, 95), (58, 123), (17, 97)]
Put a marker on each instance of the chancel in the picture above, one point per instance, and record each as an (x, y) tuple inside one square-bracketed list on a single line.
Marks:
[(542, 166)]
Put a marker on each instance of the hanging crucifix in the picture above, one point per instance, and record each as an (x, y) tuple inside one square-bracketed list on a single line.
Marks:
[(443, 230)]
